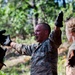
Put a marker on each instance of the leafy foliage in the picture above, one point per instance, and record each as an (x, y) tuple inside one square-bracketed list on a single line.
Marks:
[(2, 73), (17, 16)]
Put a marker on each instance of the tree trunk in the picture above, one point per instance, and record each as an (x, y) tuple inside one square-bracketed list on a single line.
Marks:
[(35, 16)]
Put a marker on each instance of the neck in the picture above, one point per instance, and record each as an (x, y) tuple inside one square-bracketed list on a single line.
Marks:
[(43, 40)]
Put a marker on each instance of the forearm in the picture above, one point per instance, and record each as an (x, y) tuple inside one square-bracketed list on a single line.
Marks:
[(22, 49), (57, 28), (17, 47), (56, 36)]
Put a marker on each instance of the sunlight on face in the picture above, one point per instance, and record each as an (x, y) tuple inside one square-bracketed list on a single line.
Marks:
[(39, 33)]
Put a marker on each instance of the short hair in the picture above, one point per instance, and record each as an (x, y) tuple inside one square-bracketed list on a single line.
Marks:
[(46, 26), (71, 24)]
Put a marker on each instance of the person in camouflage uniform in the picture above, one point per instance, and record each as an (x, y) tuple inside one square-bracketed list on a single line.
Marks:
[(70, 33), (44, 55)]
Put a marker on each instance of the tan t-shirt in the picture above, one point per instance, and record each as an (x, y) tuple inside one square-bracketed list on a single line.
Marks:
[(70, 70)]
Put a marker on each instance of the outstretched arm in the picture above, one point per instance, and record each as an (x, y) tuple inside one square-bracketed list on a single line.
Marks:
[(56, 34)]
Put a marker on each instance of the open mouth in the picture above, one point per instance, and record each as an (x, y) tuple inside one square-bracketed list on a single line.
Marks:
[(36, 37)]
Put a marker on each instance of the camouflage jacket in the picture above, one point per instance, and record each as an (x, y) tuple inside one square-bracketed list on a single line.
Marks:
[(44, 56)]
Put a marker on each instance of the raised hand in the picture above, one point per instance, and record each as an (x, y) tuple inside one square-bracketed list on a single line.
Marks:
[(59, 20), (4, 39)]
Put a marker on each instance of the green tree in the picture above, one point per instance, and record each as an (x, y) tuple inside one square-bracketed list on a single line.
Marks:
[(19, 17)]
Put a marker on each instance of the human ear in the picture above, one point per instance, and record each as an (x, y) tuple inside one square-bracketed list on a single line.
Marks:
[(46, 32)]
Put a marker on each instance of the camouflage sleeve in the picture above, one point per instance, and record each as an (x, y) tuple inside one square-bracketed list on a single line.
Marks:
[(24, 49), (56, 37)]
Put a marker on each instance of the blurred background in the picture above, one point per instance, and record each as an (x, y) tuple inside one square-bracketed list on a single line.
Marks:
[(19, 17)]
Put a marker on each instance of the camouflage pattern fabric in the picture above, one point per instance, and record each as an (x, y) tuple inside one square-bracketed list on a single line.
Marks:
[(44, 56)]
